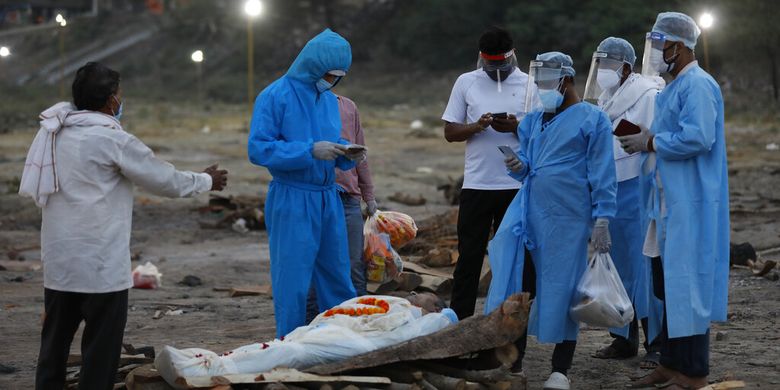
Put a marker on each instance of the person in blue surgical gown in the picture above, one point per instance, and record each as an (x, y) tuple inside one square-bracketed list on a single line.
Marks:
[(629, 96), (295, 134), (684, 155), (565, 163)]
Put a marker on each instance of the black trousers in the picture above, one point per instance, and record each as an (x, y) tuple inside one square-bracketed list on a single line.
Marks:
[(631, 344), (689, 355), (105, 316), (480, 212), (563, 354)]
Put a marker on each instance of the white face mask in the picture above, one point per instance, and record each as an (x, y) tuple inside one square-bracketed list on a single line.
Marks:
[(607, 79)]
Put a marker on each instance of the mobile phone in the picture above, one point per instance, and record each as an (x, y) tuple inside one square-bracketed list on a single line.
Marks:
[(625, 127), (508, 152), (499, 115), (355, 148)]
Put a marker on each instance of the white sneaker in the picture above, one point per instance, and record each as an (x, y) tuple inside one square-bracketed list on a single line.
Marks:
[(557, 381)]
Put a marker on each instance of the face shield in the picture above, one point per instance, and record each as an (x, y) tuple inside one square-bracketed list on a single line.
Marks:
[(603, 78), (547, 76), (653, 56), (499, 66)]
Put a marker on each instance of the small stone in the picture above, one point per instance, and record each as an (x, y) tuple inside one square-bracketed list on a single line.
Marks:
[(191, 281), (721, 336)]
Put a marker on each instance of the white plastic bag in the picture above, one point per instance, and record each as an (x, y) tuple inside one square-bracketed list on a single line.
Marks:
[(601, 300), (147, 277)]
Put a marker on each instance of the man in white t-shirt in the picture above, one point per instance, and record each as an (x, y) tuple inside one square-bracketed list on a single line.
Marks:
[(484, 109)]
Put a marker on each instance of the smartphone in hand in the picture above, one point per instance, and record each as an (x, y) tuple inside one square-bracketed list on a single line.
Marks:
[(501, 115), (625, 127), (508, 152)]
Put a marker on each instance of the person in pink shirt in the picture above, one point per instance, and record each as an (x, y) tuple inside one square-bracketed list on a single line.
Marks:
[(354, 185)]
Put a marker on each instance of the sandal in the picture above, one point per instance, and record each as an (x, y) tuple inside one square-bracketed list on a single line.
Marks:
[(610, 352), (651, 361), (648, 381)]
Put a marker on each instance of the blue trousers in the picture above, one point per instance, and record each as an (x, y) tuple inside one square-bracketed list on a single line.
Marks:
[(308, 241), (354, 219)]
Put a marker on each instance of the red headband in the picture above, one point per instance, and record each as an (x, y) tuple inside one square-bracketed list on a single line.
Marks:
[(497, 57)]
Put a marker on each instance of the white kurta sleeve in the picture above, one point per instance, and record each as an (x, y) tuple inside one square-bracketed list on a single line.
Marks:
[(139, 164)]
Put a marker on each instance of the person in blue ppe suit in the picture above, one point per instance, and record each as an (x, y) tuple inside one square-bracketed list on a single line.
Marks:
[(625, 95), (688, 231), (295, 134), (566, 166)]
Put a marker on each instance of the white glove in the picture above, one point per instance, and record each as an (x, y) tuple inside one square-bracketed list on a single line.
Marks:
[(636, 142), (325, 150), (371, 207), (600, 238), (513, 164)]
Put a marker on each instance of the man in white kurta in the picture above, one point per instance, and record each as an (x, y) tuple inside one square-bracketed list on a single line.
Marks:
[(80, 170)]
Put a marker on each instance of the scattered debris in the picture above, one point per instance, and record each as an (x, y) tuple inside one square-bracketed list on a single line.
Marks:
[(16, 253), (232, 209), (741, 253), (725, 385), (176, 312), (191, 281), (147, 277), (416, 124), (408, 200), (425, 170), (136, 256), (772, 146), (7, 369), (452, 190), (721, 336), (443, 257), (244, 291), (17, 279), (239, 226), (157, 315), (19, 266)]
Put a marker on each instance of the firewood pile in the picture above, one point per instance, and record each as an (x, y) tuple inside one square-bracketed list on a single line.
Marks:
[(476, 353), (131, 359)]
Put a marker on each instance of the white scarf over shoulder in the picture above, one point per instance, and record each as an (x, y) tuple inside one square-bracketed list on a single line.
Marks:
[(39, 179)]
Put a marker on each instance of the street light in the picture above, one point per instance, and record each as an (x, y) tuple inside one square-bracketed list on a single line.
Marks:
[(197, 58), (61, 34), (706, 20), (5, 51), (253, 9)]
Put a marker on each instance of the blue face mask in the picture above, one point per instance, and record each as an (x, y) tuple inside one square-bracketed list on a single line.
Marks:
[(118, 113), (551, 99), (323, 85)]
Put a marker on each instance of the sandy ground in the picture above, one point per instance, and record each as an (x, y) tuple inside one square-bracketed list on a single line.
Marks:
[(167, 233)]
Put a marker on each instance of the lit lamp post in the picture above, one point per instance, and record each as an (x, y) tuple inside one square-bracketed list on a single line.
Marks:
[(62, 22), (706, 20), (197, 58), (252, 8), (4, 52)]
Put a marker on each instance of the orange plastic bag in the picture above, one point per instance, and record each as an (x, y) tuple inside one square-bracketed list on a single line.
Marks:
[(399, 226), (382, 261)]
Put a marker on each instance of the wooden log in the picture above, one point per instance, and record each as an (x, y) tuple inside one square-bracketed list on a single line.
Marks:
[(480, 376), (243, 291), (124, 360), (436, 284), (501, 327), (20, 266), (277, 375), (405, 281), (146, 377), (444, 382), (728, 385), (423, 270)]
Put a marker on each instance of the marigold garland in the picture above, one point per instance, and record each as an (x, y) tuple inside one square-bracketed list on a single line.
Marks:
[(382, 307)]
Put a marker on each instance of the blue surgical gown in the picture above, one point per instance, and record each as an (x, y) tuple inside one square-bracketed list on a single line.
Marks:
[(568, 180), (693, 234), (303, 211)]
